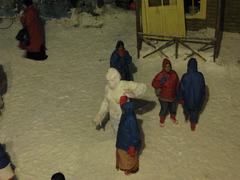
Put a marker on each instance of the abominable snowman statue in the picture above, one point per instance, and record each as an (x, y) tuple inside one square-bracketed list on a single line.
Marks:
[(113, 91)]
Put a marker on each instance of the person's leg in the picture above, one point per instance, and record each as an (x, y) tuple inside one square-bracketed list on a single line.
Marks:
[(163, 112), (186, 113), (173, 111), (193, 119)]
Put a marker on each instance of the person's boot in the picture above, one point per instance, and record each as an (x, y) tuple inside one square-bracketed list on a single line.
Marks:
[(162, 121), (173, 118), (193, 126)]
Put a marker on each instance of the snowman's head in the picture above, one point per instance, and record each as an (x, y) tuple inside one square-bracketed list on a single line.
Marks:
[(113, 77)]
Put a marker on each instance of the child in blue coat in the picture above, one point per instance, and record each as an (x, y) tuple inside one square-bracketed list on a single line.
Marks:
[(192, 92), (128, 139), (121, 60)]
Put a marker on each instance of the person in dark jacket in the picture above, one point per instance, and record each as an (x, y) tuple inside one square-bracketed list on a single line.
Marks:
[(128, 139), (58, 176), (166, 85), (121, 60), (6, 171), (30, 20), (192, 92)]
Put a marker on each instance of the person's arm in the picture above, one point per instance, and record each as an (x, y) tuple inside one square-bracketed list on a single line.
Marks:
[(113, 60), (203, 86), (134, 137), (158, 81), (181, 89), (128, 58), (203, 89), (103, 110)]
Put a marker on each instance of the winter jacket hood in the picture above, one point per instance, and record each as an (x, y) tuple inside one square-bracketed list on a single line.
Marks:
[(165, 63), (192, 65)]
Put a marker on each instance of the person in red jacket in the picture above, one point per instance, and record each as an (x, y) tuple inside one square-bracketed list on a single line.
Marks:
[(32, 22), (166, 84)]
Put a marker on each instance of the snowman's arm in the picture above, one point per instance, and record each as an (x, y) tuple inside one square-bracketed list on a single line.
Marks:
[(104, 108), (137, 89)]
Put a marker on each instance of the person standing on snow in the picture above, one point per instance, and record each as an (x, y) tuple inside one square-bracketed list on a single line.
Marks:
[(121, 60), (166, 84), (31, 21), (128, 139), (192, 93), (114, 89)]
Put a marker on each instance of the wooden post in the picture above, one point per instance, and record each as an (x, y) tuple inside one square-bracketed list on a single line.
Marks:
[(218, 29), (138, 27), (176, 50)]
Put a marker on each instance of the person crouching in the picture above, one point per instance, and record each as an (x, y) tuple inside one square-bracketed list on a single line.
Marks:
[(128, 139)]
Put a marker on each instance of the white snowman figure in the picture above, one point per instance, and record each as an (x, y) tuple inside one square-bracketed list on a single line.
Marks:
[(114, 89)]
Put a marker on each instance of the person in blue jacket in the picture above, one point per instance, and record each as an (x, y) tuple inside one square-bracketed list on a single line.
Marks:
[(128, 139), (6, 171), (192, 92), (121, 60)]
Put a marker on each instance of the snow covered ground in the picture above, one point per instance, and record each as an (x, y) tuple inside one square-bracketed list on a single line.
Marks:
[(47, 123)]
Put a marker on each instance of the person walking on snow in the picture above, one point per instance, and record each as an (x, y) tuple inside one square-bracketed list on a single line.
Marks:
[(121, 60), (192, 93), (114, 89), (31, 21), (166, 84), (128, 139)]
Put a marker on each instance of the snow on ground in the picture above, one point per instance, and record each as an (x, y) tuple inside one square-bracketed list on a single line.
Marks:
[(47, 123)]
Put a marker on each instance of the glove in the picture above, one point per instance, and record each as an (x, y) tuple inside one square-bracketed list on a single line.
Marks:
[(131, 151), (157, 92), (163, 80), (123, 100), (97, 120)]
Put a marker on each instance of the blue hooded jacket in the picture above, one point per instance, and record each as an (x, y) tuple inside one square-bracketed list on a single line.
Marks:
[(192, 87), (4, 158), (121, 64), (128, 130)]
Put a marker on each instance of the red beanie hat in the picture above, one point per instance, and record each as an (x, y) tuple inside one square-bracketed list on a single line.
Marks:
[(123, 100)]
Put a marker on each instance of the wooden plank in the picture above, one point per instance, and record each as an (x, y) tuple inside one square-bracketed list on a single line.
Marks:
[(193, 51)]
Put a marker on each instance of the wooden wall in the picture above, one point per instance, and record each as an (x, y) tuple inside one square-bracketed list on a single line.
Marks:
[(231, 16)]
